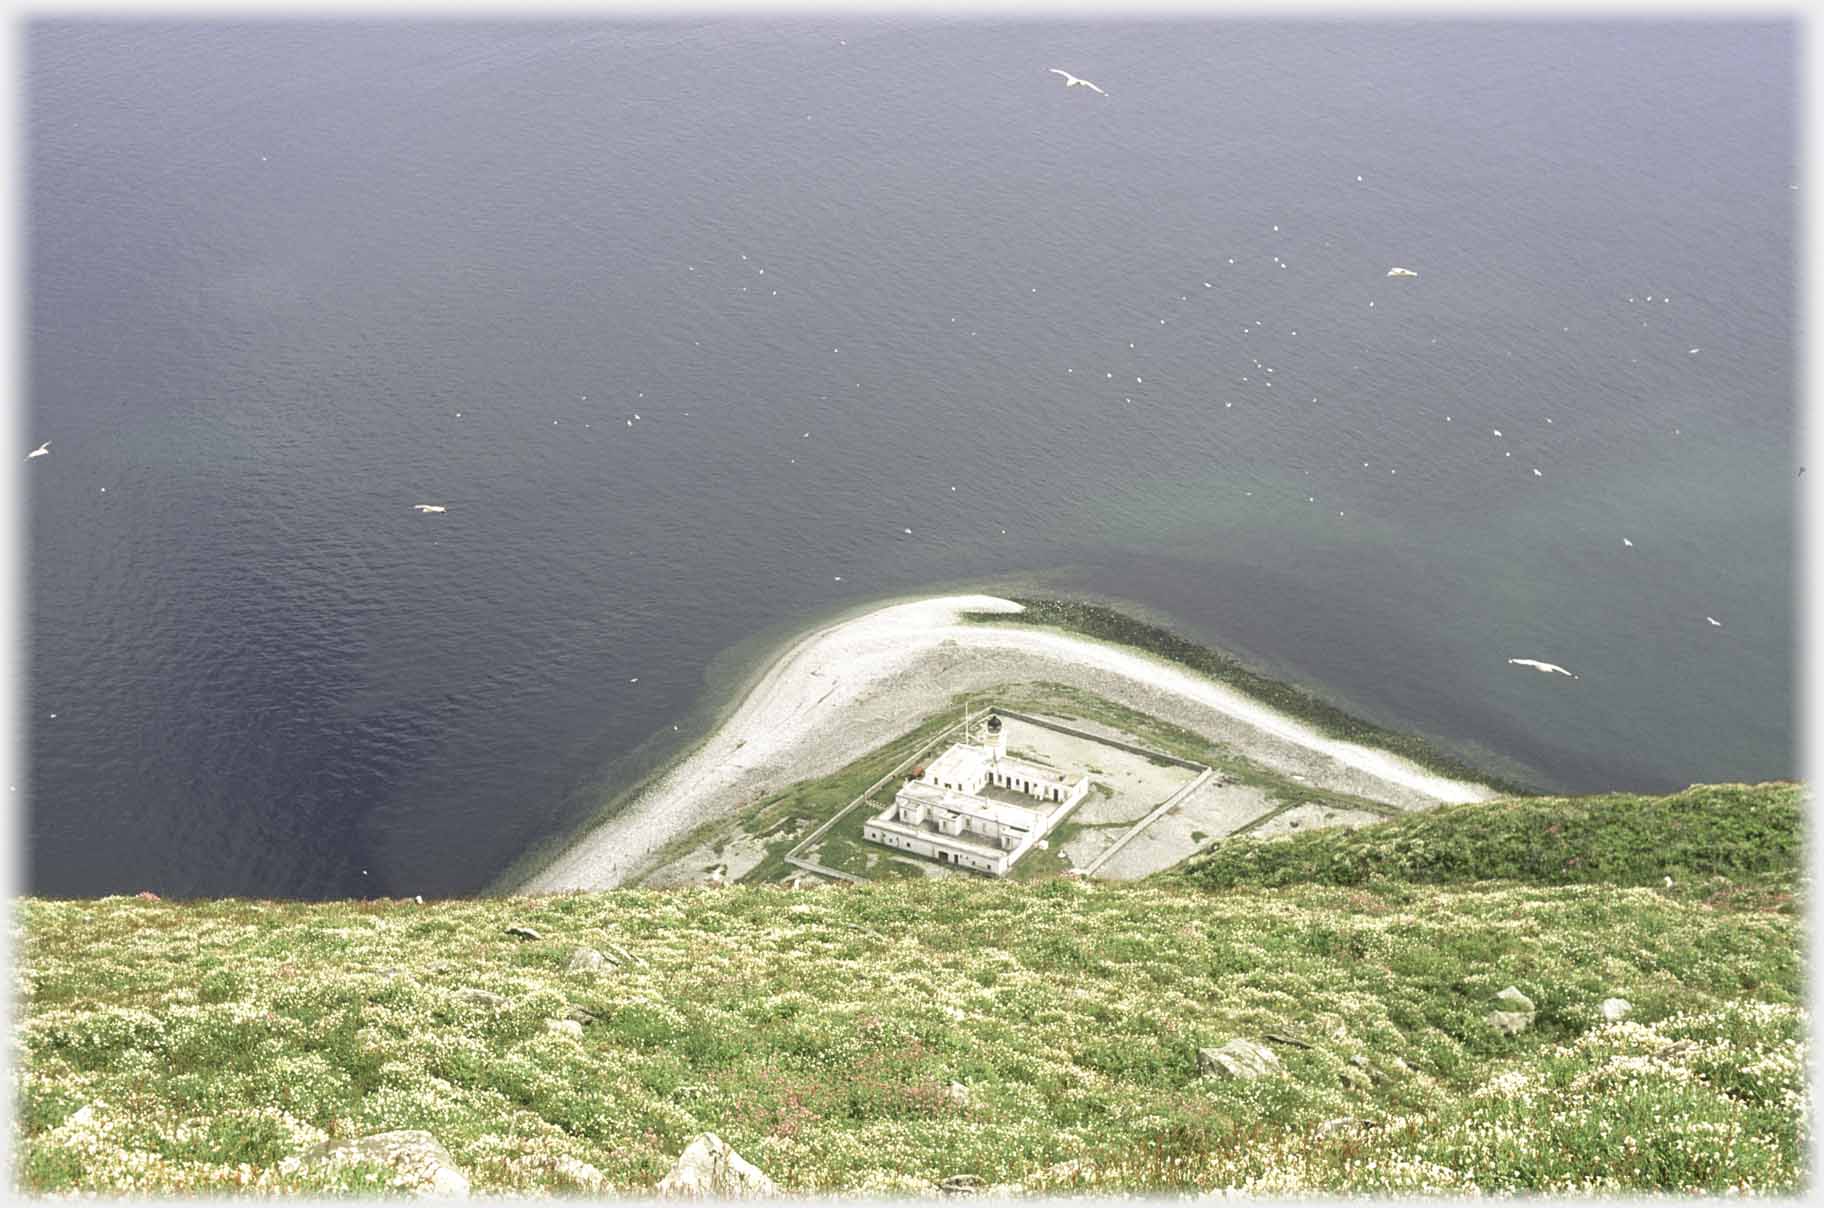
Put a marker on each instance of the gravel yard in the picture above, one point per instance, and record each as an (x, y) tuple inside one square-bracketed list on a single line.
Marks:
[(1212, 811)]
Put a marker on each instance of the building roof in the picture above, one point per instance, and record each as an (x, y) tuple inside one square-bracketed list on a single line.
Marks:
[(965, 762), (1034, 771), (920, 793), (960, 762), (969, 840)]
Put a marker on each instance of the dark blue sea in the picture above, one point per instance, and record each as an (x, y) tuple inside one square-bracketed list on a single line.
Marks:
[(284, 280)]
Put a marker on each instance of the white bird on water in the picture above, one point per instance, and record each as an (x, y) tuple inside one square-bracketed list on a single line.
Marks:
[(43, 450), (1543, 666), (1627, 543), (1397, 271), (1071, 81), (430, 507)]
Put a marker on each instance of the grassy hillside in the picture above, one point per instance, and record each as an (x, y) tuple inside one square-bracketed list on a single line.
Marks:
[(821, 1032), (1748, 836)]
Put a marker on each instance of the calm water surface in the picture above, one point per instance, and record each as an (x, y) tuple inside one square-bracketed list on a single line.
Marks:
[(288, 279)]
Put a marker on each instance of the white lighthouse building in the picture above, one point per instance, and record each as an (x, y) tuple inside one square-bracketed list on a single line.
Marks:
[(975, 807)]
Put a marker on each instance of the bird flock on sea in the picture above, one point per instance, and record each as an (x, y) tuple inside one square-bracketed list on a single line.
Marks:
[(1262, 377)]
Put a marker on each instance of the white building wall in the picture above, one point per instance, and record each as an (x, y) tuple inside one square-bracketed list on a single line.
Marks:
[(903, 834), (929, 845)]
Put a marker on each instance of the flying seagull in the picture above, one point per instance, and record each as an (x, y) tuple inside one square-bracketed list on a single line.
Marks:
[(1397, 271), (43, 450), (1543, 666), (430, 507), (1071, 81)]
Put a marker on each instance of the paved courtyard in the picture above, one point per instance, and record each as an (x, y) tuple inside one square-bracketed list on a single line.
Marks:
[(1214, 810)]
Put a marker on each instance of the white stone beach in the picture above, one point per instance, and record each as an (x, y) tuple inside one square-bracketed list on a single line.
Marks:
[(846, 688)]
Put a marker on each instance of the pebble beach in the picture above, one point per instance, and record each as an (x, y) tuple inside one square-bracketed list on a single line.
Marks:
[(845, 688)]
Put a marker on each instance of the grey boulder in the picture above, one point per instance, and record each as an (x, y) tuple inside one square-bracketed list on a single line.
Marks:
[(1509, 1023), (585, 960), (487, 1000), (412, 1152), (709, 1169), (1514, 1015), (1239, 1058)]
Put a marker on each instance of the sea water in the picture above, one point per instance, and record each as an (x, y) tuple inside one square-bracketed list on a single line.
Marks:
[(288, 279)]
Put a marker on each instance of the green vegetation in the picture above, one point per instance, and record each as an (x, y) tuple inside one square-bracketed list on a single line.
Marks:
[(1748, 836), (1109, 625), (785, 818), (167, 1047), (1044, 863), (842, 846)]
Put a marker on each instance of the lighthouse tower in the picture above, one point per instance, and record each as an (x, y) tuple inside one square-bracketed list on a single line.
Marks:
[(996, 738)]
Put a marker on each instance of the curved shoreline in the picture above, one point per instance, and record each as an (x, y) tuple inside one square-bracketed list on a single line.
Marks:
[(847, 686)]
